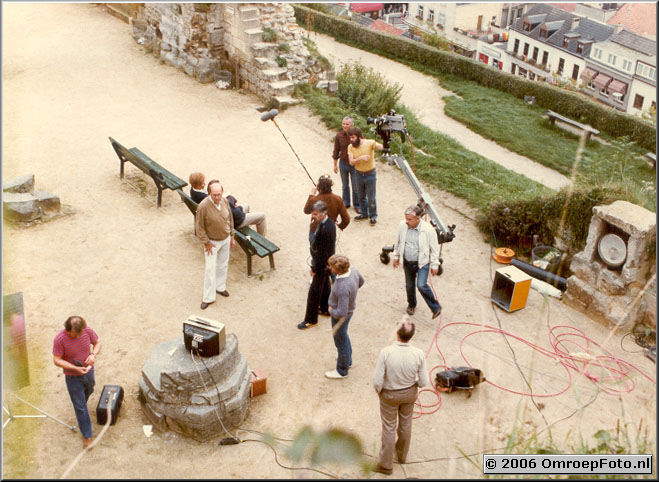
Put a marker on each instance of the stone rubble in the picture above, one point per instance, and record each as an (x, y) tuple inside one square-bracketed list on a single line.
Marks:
[(204, 39), (23, 205)]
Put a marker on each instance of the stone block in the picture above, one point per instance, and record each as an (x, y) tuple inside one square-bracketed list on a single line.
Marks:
[(204, 75), (333, 86), (610, 283), (20, 207), (189, 69), (632, 219), (48, 202), (322, 84), (165, 372), (579, 292), (19, 184), (584, 269)]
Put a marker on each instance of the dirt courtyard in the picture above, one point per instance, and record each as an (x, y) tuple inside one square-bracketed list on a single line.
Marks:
[(74, 76)]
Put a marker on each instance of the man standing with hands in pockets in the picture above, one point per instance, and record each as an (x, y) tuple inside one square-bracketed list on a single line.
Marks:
[(416, 242)]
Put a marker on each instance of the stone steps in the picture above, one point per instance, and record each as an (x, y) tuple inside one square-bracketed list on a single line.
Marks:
[(274, 74), (248, 13), (251, 23), (264, 49), (282, 87), (284, 101), (254, 35), (265, 63)]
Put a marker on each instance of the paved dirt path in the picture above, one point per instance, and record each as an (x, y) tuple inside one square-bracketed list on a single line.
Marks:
[(423, 94)]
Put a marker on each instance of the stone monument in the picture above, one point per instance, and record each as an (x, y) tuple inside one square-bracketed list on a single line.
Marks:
[(620, 292), (198, 397), (23, 204)]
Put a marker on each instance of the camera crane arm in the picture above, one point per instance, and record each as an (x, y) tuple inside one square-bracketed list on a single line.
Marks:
[(384, 126)]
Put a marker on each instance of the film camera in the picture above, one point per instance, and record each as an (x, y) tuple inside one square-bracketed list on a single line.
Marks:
[(386, 124)]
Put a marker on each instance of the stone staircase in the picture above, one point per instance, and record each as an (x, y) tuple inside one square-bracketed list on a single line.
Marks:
[(272, 80)]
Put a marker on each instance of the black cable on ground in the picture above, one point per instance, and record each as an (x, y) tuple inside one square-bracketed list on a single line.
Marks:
[(287, 467), (512, 351)]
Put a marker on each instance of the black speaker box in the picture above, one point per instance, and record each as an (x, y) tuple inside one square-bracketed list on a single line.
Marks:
[(112, 395)]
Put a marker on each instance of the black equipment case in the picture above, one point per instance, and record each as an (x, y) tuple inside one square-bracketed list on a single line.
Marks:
[(112, 395)]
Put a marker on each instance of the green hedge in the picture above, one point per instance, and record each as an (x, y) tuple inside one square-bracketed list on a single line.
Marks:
[(570, 104)]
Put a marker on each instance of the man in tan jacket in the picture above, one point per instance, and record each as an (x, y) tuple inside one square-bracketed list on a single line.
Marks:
[(214, 227)]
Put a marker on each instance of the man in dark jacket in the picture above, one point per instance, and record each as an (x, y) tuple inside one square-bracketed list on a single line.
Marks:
[(322, 248)]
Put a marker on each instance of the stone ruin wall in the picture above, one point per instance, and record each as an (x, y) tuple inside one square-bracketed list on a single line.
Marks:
[(203, 39)]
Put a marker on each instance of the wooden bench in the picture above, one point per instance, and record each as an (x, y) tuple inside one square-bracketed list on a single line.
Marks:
[(161, 176), (553, 116), (251, 242), (653, 158)]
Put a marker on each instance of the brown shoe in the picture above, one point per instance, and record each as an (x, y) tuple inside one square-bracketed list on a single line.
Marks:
[(224, 293), (378, 468), (409, 310), (437, 313), (87, 442)]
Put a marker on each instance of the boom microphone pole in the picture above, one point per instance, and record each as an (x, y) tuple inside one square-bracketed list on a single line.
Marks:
[(270, 115)]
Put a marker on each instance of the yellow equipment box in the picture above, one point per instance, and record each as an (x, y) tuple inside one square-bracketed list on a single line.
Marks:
[(510, 288)]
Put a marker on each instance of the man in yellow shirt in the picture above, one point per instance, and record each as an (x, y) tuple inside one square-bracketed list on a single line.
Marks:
[(361, 155)]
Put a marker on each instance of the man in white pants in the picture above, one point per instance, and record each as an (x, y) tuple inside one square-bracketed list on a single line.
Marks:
[(214, 227)]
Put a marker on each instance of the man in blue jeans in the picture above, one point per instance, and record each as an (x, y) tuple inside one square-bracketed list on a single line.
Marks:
[(341, 304), (416, 242), (361, 154), (75, 349), (341, 164)]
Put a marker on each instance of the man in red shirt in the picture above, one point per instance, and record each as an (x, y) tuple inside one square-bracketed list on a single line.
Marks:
[(75, 349)]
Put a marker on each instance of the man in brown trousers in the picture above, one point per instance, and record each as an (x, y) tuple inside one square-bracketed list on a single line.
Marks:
[(399, 371), (214, 228)]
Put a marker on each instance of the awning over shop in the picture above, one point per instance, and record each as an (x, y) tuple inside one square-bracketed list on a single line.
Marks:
[(365, 7), (617, 86), (602, 80), (589, 73)]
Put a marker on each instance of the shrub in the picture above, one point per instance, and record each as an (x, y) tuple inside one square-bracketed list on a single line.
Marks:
[(571, 104), (284, 48), (366, 91), (281, 61), (512, 222), (270, 35)]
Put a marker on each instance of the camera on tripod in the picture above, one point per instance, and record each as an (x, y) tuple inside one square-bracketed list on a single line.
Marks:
[(386, 124)]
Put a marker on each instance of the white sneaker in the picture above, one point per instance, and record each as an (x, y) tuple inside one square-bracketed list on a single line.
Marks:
[(334, 374)]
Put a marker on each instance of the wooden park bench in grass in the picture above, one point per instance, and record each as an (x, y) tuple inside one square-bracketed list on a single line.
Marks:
[(161, 176), (553, 116), (251, 242), (653, 158)]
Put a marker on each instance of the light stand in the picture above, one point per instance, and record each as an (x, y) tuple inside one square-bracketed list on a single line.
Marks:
[(11, 416)]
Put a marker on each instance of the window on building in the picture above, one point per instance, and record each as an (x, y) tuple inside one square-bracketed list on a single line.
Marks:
[(526, 48), (653, 106), (565, 42), (604, 92), (535, 54), (419, 12), (519, 13), (441, 20), (596, 53), (545, 57), (579, 48), (431, 15), (646, 71), (526, 25), (516, 47), (626, 65), (531, 76), (638, 102), (575, 72), (611, 59), (543, 32), (561, 66)]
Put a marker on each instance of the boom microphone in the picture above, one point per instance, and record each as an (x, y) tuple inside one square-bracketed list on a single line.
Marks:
[(269, 115)]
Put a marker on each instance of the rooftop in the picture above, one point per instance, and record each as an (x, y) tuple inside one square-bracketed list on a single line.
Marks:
[(640, 18)]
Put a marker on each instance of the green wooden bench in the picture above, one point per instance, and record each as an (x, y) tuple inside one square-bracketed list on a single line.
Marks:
[(251, 242), (161, 176)]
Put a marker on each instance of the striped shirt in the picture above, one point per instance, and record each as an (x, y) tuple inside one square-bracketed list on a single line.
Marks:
[(70, 349)]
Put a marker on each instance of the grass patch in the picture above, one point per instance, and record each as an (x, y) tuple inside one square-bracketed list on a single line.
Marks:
[(520, 128), (448, 165)]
